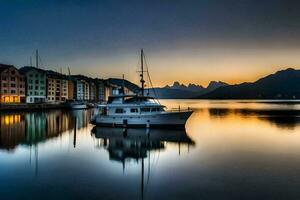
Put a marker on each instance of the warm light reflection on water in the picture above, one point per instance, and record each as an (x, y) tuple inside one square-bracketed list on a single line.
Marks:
[(231, 150)]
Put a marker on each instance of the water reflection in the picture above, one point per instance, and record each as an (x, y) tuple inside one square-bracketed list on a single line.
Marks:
[(123, 145), (237, 151), (126, 144), (281, 118), (34, 127)]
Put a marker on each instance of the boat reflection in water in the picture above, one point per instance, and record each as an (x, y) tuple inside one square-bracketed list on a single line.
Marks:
[(123, 145)]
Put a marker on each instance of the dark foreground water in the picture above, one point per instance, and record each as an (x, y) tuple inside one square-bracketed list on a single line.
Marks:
[(230, 150)]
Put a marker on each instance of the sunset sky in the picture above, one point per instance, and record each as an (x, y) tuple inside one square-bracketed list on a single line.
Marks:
[(187, 41)]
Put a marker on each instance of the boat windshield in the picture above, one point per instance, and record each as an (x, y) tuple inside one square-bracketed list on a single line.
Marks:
[(138, 99)]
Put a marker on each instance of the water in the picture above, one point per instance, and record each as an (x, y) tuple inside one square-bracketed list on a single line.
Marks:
[(231, 150)]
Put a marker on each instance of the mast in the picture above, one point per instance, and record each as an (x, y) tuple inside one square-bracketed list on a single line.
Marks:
[(123, 84), (142, 71), (37, 58)]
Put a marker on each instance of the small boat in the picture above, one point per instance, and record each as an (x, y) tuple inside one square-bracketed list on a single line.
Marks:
[(138, 110), (76, 105)]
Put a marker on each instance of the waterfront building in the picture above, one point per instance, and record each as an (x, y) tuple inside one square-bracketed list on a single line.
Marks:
[(92, 90), (64, 88), (100, 90), (81, 87), (35, 84), (70, 89), (12, 85), (57, 87)]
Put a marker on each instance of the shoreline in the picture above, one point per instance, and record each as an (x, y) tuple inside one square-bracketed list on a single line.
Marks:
[(25, 106)]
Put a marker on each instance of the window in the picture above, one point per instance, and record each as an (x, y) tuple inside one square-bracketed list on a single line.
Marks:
[(134, 110), (36, 75), (13, 79), (13, 85), (119, 110), (145, 109), (13, 91), (36, 81), (30, 75), (5, 91), (30, 87), (155, 109), (30, 81), (4, 85), (4, 78), (13, 72)]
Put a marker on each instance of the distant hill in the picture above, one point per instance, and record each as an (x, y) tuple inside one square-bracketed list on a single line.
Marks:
[(283, 84), (181, 91)]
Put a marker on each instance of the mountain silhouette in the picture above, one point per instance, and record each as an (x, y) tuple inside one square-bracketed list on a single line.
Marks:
[(181, 91), (284, 84)]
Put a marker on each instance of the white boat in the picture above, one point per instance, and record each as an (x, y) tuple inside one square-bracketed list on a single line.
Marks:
[(76, 105), (138, 110)]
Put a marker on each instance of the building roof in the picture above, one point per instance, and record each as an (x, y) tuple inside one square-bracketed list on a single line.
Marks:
[(26, 69), (53, 74), (5, 67)]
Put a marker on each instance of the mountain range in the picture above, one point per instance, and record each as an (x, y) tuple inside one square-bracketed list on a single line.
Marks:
[(181, 91), (284, 84)]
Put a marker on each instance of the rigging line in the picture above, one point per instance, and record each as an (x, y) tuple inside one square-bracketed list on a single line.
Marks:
[(40, 59), (146, 64)]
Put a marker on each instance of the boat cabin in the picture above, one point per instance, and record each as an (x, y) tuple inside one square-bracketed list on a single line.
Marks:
[(131, 105)]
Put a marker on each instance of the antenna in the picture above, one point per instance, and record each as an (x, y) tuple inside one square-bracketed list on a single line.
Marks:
[(37, 58), (31, 61), (69, 71)]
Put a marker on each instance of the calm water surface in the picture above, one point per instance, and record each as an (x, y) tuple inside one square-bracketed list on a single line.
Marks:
[(230, 150)]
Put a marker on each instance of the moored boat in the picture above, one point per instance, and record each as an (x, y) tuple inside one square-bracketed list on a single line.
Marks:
[(138, 110), (76, 105)]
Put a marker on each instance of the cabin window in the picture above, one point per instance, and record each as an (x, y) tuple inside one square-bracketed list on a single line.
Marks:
[(134, 110), (145, 109), (119, 110), (155, 109)]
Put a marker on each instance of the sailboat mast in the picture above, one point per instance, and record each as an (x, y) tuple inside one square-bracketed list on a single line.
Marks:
[(142, 71), (37, 58)]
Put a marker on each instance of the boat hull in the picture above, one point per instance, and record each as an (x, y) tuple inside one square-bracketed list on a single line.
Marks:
[(78, 107), (158, 120)]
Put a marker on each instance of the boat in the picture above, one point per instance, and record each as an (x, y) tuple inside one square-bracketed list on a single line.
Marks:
[(138, 110), (76, 105)]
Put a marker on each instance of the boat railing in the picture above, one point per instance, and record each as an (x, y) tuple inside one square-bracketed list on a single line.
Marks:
[(179, 109)]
